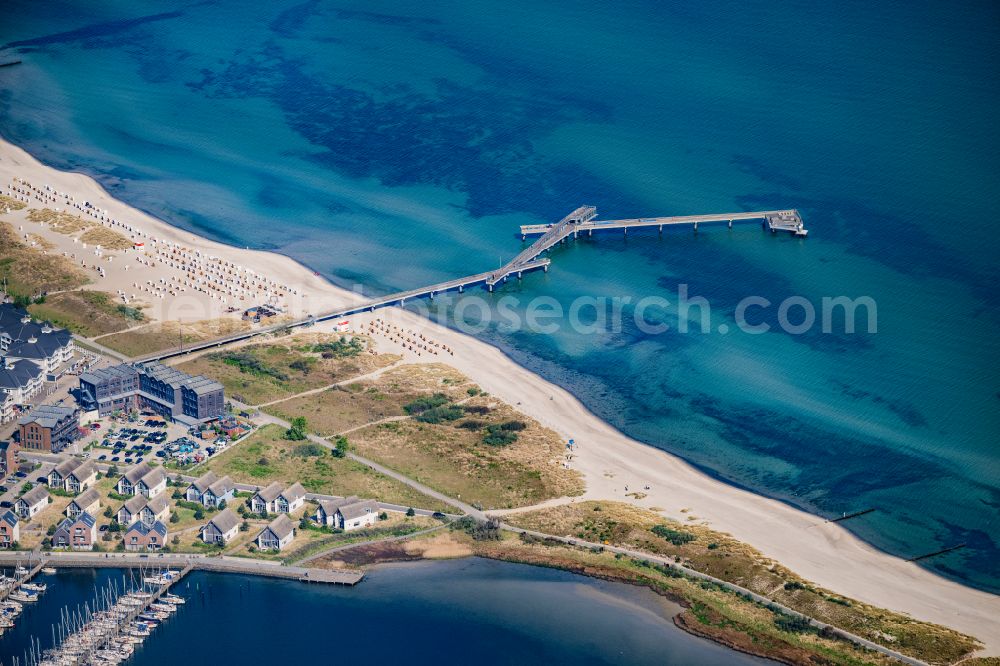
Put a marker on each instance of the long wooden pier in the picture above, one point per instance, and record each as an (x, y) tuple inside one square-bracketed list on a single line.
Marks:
[(581, 219), (773, 220)]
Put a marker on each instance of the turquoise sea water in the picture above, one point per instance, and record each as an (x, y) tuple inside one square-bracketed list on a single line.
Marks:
[(426, 613), (399, 145)]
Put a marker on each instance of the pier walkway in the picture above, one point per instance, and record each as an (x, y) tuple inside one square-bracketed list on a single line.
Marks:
[(196, 562), (20, 580), (581, 219), (773, 220)]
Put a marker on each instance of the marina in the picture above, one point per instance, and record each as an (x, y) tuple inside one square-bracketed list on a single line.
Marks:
[(19, 586), (108, 629)]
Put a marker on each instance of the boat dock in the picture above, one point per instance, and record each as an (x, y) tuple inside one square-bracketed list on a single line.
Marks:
[(109, 632), (581, 219), (19, 580)]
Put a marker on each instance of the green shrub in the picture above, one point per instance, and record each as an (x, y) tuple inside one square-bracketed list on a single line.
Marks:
[(342, 348), (439, 414), (675, 537), (298, 430), (308, 450), (425, 403), (247, 363), (488, 530), (303, 365), (135, 314), (792, 624), (496, 435)]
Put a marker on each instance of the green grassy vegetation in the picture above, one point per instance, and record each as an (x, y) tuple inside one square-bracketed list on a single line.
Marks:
[(30, 272), (261, 373), (482, 451), (317, 540), (349, 406), (712, 611), (60, 221), (266, 456), (342, 347), (88, 313), (106, 238), (9, 204), (721, 556), (161, 336)]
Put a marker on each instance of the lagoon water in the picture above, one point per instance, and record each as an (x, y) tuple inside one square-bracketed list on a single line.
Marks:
[(398, 145), (425, 613)]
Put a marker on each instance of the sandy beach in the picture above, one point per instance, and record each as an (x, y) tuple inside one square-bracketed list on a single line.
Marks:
[(821, 552)]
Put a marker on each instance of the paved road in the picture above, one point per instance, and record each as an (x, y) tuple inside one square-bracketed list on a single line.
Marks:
[(14, 484), (49, 461), (241, 565)]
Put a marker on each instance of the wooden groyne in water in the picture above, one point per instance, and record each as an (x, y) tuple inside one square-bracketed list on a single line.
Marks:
[(936, 553), (848, 516)]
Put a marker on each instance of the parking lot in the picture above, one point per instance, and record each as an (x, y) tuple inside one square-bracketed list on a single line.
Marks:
[(126, 442)]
